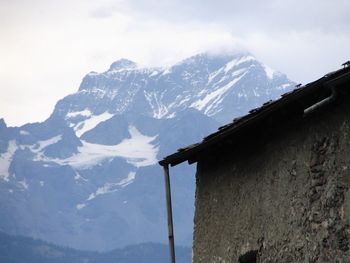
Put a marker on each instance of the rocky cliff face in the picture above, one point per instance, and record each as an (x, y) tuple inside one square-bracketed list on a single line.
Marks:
[(88, 177)]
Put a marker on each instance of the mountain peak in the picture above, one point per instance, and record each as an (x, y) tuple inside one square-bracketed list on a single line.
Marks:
[(215, 56), (2, 123), (213, 60), (122, 64)]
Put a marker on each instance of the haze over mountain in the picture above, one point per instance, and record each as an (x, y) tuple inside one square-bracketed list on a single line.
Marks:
[(88, 177)]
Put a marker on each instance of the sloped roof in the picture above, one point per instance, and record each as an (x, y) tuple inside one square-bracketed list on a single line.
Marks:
[(295, 102)]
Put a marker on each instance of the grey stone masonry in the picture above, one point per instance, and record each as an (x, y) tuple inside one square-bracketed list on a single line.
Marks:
[(285, 195)]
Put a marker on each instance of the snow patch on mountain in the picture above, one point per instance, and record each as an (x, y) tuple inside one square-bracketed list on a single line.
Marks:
[(128, 180), (85, 113), (235, 62), (41, 145), (269, 71), (166, 71), (23, 132), (78, 177), (81, 127), (110, 188), (38, 148), (213, 98), (154, 73), (213, 75), (80, 206), (159, 110), (6, 159), (23, 184), (137, 150)]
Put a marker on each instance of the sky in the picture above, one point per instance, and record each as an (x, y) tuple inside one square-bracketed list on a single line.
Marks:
[(46, 47)]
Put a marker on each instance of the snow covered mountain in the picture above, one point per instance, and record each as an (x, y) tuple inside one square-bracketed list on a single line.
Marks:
[(88, 177), (219, 86)]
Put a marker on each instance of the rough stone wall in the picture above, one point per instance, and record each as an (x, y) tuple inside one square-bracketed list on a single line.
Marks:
[(288, 199)]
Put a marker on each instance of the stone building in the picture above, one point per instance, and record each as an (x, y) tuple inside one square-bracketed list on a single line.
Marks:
[(273, 186)]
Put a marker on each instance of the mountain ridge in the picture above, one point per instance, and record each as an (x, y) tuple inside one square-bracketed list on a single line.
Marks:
[(32, 250), (201, 81)]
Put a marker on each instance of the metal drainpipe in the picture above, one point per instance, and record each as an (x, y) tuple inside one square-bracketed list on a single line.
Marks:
[(170, 213), (323, 102)]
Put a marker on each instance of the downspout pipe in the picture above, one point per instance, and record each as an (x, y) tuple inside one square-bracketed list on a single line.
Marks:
[(169, 213), (323, 102)]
